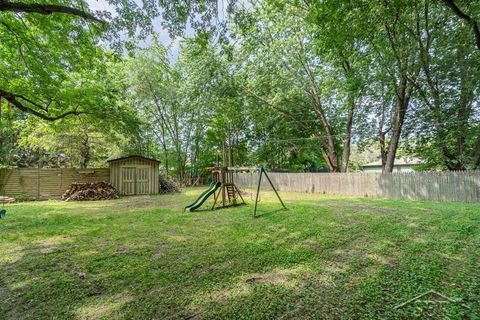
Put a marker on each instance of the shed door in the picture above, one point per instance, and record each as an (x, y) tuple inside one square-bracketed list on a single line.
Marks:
[(142, 181), (128, 180)]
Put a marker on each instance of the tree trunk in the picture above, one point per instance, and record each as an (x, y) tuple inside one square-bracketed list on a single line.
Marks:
[(332, 159), (476, 154), (402, 101), (332, 166), (85, 152), (164, 146), (348, 136), (383, 148)]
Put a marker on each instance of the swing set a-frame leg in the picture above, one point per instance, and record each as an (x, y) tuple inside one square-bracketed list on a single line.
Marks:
[(278, 196), (258, 191), (262, 171)]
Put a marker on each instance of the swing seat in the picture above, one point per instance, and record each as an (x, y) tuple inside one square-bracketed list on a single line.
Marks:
[(3, 212)]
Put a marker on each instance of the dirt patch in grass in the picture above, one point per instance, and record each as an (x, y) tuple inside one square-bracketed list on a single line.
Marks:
[(121, 249), (244, 286), (160, 250), (104, 307), (284, 277), (146, 202), (364, 208), (51, 244)]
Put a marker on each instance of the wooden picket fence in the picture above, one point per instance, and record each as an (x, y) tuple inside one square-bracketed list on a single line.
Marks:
[(39, 184), (462, 186)]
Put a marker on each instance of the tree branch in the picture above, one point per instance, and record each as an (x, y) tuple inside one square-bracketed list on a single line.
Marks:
[(12, 98), (17, 39), (285, 112), (462, 15), (47, 9)]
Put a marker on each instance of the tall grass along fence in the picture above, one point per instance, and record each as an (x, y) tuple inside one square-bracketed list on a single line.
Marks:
[(461, 186), (31, 183)]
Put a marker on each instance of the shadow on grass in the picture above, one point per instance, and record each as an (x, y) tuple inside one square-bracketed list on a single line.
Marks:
[(208, 207), (265, 214), (310, 265)]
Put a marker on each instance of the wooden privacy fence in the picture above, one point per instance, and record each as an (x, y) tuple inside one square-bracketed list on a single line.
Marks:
[(46, 183), (461, 186)]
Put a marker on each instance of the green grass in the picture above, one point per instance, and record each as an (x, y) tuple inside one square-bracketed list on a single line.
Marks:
[(324, 257)]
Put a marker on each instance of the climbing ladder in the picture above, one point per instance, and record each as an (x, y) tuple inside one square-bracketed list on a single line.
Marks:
[(231, 193)]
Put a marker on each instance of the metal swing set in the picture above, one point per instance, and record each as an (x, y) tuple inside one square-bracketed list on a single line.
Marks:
[(262, 171)]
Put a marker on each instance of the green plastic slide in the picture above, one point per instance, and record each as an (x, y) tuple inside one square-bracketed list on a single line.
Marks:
[(204, 196)]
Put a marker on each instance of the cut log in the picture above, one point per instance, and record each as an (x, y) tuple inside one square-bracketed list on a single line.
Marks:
[(4, 200)]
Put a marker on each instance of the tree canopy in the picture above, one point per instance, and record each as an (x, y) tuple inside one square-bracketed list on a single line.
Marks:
[(295, 85)]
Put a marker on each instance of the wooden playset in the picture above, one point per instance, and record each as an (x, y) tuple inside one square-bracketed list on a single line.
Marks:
[(225, 192), (228, 193)]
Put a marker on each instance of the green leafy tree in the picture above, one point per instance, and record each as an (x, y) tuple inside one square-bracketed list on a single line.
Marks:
[(44, 43), (286, 66), (448, 88)]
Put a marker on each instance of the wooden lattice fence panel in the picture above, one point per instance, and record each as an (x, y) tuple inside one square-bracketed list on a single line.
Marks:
[(42, 184)]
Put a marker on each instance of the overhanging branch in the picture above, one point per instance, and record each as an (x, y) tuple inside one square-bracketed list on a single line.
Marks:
[(476, 29), (12, 98), (47, 9)]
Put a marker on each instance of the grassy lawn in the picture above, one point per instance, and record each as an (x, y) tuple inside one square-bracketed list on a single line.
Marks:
[(324, 257)]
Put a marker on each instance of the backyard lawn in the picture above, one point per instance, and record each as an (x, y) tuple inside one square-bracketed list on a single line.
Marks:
[(324, 257)]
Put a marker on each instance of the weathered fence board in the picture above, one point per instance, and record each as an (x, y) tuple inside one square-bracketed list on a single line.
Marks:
[(461, 186), (45, 183)]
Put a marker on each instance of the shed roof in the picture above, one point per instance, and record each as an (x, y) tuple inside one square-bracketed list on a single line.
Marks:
[(133, 156)]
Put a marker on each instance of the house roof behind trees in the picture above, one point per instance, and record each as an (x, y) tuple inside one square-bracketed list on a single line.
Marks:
[(405, 161)]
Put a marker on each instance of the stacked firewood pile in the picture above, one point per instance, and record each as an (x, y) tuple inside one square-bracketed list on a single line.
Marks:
[(167, 184), (6, 200), (90, 191)]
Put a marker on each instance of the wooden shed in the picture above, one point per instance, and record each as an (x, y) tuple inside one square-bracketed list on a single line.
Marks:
[(134, 175)]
